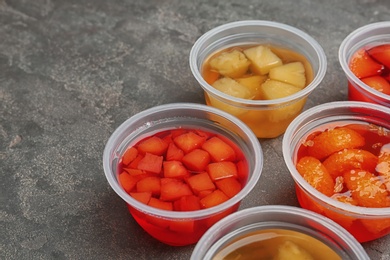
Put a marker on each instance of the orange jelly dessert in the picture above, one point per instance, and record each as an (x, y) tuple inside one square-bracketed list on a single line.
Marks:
[(259, 72), (348, 162)]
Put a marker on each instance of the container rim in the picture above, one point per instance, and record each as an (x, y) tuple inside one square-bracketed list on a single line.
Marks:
[(288, 153), (252, 181), (196, 49)]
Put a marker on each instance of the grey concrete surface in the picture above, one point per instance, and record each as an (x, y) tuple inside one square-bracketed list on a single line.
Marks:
[(72, 71)]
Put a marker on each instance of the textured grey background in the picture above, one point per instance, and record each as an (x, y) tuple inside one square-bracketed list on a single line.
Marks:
[(72, 71)]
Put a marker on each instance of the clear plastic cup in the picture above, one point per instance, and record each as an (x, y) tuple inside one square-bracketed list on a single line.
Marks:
[(367, 36), (272, 217), (164, 225), (266, 118), (364, 223)]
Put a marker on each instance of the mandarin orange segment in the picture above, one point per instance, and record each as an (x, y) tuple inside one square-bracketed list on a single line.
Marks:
[(383, 166), (334, 140), (349, 159), (315, 173), (367, 189)]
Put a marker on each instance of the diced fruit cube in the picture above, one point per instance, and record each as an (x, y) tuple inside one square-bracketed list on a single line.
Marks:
[(233, 88), (187, 203), (381, 53), (232, 64), (334, 140), (201, 182), (182, 226), (367, 189), (196, 160), (154, 145), (213, 199), (349, 159), (174, 169), (174, 153), (220, 170), (129, 155), (127, 181), (230, 186), (159, 204), (219, 150), (378, 83), (142, 197), (273, 89), (262, 58), (189, 141), (173, 189), (149, 184), (151, 163), (292, 73), (253, 83), (314, 172), (362, 65), (134, 163)]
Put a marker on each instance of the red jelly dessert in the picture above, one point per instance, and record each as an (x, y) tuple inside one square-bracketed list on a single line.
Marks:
[(182, 170)]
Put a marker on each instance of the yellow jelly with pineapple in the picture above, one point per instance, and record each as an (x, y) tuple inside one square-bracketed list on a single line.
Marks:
[(259, 72)]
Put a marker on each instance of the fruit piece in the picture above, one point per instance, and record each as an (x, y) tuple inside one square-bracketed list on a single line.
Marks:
[(381, 53), (201, 182), (334, 140), (174, 153), (134, 172), (211, 76), (173, 189), (219, 150), (156, 203), (129, 155), (187, 203), (213, 199), (314, 172), (376, 226), (220, 170), (196, 160), (367, 189), (253, 83), (378, 83), (142, 197), (154, 145), (149, 184), (290, 251), (383, 166), (182, 226), (174, 169), (127, 181), (189, 141), (349, 159), (292, 73), (230, 186), (151, 163), (231, 64), (262, 58), (273, 89), (134, 163), (362, 65), (233, 88)]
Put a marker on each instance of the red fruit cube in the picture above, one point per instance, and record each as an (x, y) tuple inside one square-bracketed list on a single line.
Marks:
[(134, 164), (381, 53), (159, 204), (129, 155), (149, 184), (230, 186), (173, 189), (201, 182), (174, 153), (187, 203), (213, 199), (174, 169), (378, 83), (196, 160), (154, 145), (151, 163), (220, 170), (182, 226), (219, 150), (127, 181), (189, 141), (143, 197), (362, 65)]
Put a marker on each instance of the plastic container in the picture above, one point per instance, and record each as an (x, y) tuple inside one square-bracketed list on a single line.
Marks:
[(176, 116), (278, 217), (367, 36), (365, 223), (266, 118)]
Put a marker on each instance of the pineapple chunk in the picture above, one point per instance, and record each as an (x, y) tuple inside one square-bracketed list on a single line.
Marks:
[(253, 84), (263, 59), (231, 64), (291, 251), (273, 89), (292, 73), (233, 88)]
